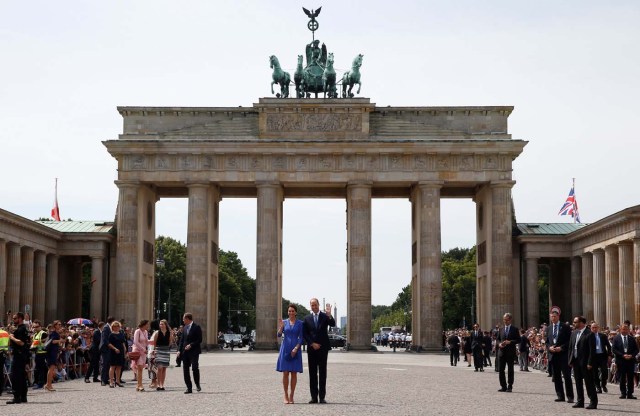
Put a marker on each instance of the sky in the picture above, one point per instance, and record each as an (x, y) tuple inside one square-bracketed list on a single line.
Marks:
[(569, 68)]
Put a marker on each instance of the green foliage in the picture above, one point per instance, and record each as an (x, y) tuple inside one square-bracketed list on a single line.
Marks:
[(172, 276), (236, 294), (458, 286), (378, 310)]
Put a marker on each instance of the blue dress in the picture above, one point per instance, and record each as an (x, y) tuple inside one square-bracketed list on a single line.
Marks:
[(292, 336), (52, 350)]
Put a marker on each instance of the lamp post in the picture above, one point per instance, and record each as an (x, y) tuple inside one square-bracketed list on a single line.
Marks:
[(159, 263)]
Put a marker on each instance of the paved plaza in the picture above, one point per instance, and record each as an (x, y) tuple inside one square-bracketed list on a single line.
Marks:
[(386, 383)]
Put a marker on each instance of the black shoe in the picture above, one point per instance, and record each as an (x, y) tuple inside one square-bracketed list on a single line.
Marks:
[(14, 401), (188, 391), (527, 370), (198, 388), (598, 390), (559, 399), (312, 401), (96, 380), (604, 389), (476, 370), (86, 380), (482, 370), (178, 365), (509, 389), (631, 396), (323, 401), (578, 405), (503, 389), (570, 400), (592, 406), (622, 396)]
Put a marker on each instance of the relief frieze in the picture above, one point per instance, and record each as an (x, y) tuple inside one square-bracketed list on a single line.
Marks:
[(329, 122)]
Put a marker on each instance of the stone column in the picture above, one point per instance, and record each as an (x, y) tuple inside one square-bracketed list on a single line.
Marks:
[(51, 298), (3, 279), (625, 268), (95, 305), (427, 307), (12, 295), (532, 296), (197, 255), (268, 264), (612, 285), (212, 287), (599, 293), (576, 285), (359, 265), (636, 279), (587, 287), (127, 273), (39, 289), (501, 250), (26, 283)]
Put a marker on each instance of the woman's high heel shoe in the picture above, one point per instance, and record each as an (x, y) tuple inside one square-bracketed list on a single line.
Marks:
[(119, 385), (49, 388)]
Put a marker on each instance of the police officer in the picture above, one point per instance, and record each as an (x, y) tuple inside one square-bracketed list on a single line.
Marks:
[(4, 351), (19, 343), (39, 337)]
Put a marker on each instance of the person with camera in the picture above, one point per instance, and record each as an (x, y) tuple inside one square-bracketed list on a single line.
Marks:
[(19, 343)]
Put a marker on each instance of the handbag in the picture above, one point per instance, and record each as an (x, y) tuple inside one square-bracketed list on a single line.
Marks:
[(134, 355)]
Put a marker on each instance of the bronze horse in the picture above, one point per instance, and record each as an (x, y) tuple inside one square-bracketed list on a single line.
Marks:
[(280, 77), (350, 78)]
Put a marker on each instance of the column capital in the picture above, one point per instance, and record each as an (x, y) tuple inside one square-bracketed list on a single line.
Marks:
[(598, 251), (28, 248), (586, 254), (198, 184), (127, 183), (530, 258), (502, 184), (360, 184), (430, 184), (268, 184), (97, 257), (625, 243)]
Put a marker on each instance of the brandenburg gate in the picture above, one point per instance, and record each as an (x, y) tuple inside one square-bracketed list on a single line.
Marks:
[(315, 148)]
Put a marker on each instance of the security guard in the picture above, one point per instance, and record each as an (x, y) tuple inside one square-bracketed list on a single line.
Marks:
[(39, 337), (4, 352), (19, 343)]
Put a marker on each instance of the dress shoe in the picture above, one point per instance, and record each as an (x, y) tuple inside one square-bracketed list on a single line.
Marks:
[(592, 406), (476, 370), (559, 399), (598, 390), (577, 405), (527, 370), (14, 401), (622, 396), (570, 400), (86, 380), (631, 396), (188, 391), (509, 389), (323, 401), (198, 388), (604, 389), (96, 380), (313, 401), (502, 389), (482, 370)]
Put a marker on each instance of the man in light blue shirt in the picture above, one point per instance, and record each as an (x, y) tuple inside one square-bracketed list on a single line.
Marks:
[(598, 364)]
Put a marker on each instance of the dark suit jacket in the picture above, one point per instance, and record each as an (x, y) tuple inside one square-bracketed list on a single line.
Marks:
[(104, 338), (562, 340), (617, 347), (477, 341), (319, 335), (604, 344), (96, 340), (194, 338), (453, 342), (584, 353), (513, 336), (524, 344)]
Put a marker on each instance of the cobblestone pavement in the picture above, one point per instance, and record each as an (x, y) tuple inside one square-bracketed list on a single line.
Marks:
[(384, 383)]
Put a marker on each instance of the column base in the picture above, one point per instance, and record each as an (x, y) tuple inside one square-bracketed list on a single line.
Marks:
[(267, 346), (426, 350), (365, 348)]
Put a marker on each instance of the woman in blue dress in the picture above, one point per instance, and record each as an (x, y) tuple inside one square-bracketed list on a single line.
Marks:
[(290, 359)]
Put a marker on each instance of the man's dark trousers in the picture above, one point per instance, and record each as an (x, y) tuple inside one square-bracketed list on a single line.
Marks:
[(94, 364), (104, 370), (18, 378), (317, 360), (40, 372), (561, 371), (3, 358), (191, 360)]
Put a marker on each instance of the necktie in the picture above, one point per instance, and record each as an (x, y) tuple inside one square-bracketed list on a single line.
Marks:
[(555, 331), (506, 332), (624, 343), (315, 319), (186, 330), (598, 346)]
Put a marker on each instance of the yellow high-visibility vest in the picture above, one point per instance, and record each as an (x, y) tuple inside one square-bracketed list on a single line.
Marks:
[(4, 340), (37, 343)]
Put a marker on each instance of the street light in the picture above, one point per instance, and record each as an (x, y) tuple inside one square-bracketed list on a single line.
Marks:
[(159, 263)]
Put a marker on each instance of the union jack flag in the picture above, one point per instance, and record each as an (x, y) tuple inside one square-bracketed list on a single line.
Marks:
[(570, 206)]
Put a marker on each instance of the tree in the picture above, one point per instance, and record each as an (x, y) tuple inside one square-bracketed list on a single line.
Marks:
[(458, 286), (172, 276), (236, 294)]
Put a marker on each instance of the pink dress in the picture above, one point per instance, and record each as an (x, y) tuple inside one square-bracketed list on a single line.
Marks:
[(140, 342)]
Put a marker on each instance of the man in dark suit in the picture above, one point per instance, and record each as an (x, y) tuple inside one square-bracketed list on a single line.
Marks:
[(523, 350), (507, 339), (601, 351), (477, 346), (625, 349), (19, 343), (557, 342), (104, 351), (316, 325), (488, 341), (94, 354), (189, 351), (453, 343), (579, 356)]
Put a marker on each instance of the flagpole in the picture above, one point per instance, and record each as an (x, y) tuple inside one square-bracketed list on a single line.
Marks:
[(574, 198)]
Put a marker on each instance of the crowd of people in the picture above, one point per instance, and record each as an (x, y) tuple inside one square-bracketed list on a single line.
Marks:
[(36, 356), (577, 352)]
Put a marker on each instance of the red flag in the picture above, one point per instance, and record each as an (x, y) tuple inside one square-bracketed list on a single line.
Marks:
[(55, 211)]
